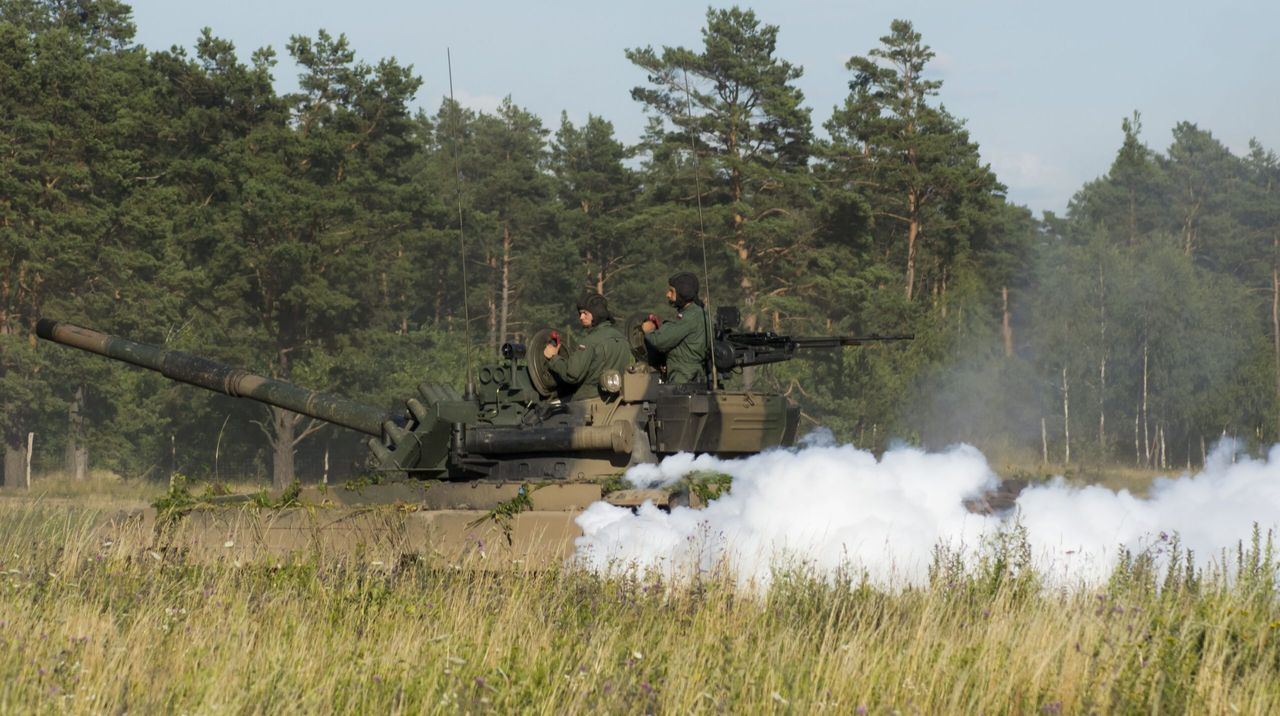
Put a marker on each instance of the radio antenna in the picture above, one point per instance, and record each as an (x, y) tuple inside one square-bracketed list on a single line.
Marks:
[(702, 231), (462, 238)]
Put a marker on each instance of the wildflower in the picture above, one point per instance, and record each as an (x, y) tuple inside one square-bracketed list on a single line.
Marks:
[(637, 655), (778, 697), (861, 710), (481, 682), (645, 687), (1052, 708)]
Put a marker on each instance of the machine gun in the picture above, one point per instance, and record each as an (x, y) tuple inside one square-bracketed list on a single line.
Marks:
[(736, 349)]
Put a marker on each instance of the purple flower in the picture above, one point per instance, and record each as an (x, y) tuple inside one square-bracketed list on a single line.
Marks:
[(481, 682), (1052, 707), (644, 686), (861, 711)]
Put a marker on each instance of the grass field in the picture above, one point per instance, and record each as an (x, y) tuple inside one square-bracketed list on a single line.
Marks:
[(89, 627)]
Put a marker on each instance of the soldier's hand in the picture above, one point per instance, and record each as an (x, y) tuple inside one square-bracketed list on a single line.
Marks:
[(550, 351)]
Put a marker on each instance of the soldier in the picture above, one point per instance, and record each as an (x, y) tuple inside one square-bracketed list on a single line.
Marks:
[(684, 340), (601, 348)]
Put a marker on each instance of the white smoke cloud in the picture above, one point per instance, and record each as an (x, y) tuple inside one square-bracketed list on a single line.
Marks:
[(838, 510)]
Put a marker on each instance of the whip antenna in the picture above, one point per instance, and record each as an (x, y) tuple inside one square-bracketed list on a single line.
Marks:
[(462, 238), (702, 231)]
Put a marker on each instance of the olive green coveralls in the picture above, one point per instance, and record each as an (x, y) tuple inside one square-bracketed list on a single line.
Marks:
[(601, 348), (684, 341)]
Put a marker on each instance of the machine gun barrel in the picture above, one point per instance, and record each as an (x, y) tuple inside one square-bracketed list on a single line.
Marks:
[(838, 341), (739, 350), (219, 377)]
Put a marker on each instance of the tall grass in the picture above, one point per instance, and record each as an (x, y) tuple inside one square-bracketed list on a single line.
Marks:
[(91, 627)]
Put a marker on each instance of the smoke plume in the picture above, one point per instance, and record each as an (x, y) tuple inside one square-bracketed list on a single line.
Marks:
[(835, 509)]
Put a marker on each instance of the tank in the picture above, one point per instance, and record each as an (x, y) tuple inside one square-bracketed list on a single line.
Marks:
[(498, 468)]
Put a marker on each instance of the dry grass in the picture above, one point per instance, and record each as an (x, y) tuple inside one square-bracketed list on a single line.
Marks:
[(105, 490), (87, 627), (1112, 476)]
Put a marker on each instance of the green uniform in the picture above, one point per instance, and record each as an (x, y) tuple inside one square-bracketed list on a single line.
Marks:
[(600, 349), (684, 341)]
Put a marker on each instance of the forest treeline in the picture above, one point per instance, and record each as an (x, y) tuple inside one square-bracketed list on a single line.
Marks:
[(322, 236)]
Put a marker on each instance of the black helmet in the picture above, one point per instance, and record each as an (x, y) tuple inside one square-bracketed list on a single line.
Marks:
[(597, 305), (686, 286)]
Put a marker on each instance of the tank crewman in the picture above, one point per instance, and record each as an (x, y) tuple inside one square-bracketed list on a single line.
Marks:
[(684, 340), (601, 348)]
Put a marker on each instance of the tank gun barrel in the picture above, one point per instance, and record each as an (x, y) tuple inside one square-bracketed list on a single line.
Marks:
[(219, 377)]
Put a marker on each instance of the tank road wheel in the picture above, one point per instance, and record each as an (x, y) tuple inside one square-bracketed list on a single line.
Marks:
[(634, 331), (539, 373)]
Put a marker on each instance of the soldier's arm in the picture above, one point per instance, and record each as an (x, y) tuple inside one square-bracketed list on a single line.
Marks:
[(669, 334), (572, 370)]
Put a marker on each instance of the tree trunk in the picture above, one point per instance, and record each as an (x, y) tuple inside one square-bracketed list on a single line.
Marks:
[(1146, 423), (492, 263), (1102, 363), (76, 458), (1066, 419), (505, 313), (1275, 317), (1006, 332), (1044, 442), (440, 296), (1189, 225), (283, 433), (1137, 447), (750, 318), (913, 232), (283, 427), (1164, 451)]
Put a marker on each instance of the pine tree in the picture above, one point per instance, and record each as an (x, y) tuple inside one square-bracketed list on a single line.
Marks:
[(727, 153), (914, 162)]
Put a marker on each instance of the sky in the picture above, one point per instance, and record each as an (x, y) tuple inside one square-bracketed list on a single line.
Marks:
[(1042, 86)]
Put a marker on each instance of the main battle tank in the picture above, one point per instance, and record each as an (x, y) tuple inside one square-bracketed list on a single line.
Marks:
[(497, 471)]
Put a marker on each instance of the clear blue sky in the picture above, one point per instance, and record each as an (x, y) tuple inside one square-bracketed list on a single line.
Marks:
[(1043, 86)]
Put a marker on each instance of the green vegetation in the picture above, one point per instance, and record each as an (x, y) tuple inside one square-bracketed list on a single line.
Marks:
[(89, 625), (178, 198), (504, 511)]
